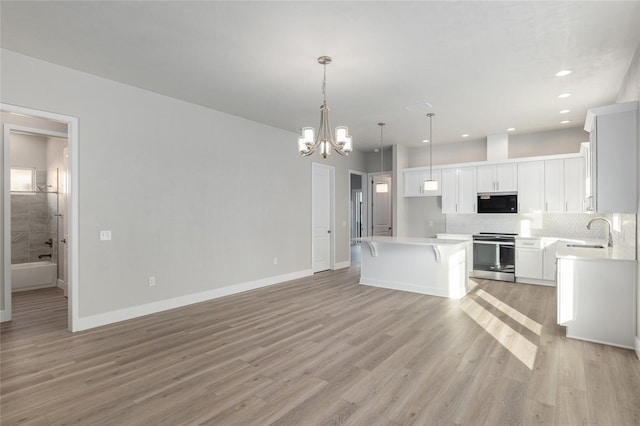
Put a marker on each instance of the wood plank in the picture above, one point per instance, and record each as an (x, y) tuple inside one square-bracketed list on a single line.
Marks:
[(317, 350)]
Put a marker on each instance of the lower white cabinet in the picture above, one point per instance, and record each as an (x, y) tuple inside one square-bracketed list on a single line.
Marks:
[(597, 300), (549, 259), (536, 260), (529, 259)]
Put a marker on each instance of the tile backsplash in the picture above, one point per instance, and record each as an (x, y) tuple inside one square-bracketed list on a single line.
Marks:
[(562, 225)]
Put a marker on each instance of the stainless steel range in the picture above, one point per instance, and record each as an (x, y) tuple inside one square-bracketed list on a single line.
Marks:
[(494, 256)]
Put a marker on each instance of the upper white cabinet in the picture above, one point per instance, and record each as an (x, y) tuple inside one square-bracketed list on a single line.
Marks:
[(414, 182), (554, 186), (530, 187), (498, 178), (574, 185), (613, 152), (459, 193)]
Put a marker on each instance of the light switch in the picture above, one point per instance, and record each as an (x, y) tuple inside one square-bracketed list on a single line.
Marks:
[(105, 235)]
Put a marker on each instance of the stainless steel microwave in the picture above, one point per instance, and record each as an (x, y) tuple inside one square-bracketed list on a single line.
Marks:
[(498, 203)]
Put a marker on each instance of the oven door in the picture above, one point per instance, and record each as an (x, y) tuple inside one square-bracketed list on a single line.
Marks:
[(494, 260)]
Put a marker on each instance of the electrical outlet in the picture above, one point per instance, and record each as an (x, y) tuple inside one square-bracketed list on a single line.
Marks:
[(152, 281), (430, 223), (105, 235), (275, 260)]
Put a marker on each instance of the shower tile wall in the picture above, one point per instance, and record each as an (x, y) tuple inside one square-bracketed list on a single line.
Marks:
[(33, 222)]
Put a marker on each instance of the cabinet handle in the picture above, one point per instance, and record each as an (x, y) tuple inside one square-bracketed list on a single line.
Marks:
[(566, 206), (546, 206), (498, 186), (456, 207), (474, 208)]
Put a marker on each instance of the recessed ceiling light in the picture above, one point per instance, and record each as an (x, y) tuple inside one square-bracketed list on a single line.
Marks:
[(565, 111), (565, 121), (563, 73), (511, 129), (425, 141), (465, 135), (564, 95)]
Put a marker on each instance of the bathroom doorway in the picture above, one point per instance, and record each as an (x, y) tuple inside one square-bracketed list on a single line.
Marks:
[(39, 205)]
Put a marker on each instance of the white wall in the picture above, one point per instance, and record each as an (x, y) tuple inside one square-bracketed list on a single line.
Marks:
[(195, 197), (552, 142)]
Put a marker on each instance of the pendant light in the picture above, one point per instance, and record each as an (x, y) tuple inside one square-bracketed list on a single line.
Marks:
[(381, 186), (430, 184)]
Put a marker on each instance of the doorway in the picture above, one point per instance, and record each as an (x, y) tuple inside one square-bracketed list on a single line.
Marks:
[(381, 196), (57, 185), (358, 213)]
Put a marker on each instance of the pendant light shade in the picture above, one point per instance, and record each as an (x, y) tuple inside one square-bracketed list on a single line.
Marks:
[(430, 184), (381, 186)]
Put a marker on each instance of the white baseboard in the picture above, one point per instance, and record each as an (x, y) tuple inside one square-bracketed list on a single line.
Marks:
[(341, 265), (4, 316), (85, 323), (64, 286), (638, 347)]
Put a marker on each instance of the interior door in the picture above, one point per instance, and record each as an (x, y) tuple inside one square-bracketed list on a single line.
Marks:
[(321, 217), (381, 206)]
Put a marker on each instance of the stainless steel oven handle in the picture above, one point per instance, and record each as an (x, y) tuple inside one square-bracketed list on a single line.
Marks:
[(495, 243)]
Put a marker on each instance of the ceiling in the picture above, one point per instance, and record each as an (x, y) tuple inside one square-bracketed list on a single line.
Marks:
[(482, 66)]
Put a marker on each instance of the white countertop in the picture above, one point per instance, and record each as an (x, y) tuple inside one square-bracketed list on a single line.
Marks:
[(607, 253), (412, 241)]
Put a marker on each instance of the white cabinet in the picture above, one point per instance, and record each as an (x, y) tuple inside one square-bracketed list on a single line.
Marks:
[(564, 182), (414, 182), (613, 168), (498, 178), (536, 260), (574, 185), (459, 193), (549, 260), (530, 187), (597, 300), (529, 259), (554, 186)]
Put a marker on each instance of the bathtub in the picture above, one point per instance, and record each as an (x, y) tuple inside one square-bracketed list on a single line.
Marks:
[(29, 276)]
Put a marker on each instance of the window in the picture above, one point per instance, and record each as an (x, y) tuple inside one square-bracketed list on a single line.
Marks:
[(23, 179)]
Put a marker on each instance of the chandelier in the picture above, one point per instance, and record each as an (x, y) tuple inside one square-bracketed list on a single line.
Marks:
[(307, 143)]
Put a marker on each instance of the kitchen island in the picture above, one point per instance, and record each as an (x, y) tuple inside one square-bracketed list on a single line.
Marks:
[(421, 265)]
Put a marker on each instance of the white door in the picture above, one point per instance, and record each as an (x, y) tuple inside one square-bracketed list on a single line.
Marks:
[(321, 182), (381, 206)]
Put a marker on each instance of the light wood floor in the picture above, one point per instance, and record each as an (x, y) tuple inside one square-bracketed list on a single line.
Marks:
[(320, 350)]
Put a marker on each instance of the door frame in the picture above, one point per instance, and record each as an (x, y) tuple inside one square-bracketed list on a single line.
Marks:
[(72, 211), (332, 213)]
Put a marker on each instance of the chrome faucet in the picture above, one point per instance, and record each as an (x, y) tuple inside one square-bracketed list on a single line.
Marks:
[(610, 242)]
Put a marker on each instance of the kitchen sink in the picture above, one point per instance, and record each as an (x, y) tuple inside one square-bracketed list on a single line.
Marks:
[(596, 246)]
